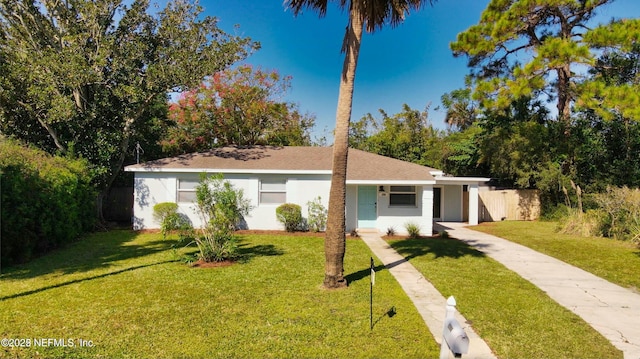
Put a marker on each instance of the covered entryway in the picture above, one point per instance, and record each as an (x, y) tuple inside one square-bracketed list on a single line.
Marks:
[(367, 206)]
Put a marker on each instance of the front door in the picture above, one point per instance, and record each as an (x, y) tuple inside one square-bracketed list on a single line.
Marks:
[(367, 210), (437, 203)]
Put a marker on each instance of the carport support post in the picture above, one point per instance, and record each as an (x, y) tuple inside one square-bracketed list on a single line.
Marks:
[(473, 204)]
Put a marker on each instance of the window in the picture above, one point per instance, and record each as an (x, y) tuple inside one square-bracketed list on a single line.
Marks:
[(273, 191), (187, 190), (402, 196)]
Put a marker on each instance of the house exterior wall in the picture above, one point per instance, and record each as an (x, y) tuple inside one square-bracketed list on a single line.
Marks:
[(394, 217), (351, 208), (151, 188)]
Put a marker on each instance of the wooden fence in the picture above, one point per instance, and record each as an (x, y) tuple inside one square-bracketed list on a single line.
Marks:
[(118, 205), (511, 204)]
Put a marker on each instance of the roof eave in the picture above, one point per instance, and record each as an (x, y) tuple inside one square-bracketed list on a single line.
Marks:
[(223, 170), (391, 182)]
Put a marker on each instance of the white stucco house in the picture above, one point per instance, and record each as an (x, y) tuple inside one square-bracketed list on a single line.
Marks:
[(382, 192)]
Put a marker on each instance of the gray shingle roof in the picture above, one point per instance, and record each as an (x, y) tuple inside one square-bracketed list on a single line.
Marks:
[(362, 166)]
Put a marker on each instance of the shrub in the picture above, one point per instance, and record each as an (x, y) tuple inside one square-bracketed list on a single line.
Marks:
[(581, 224), (413, 229), (221, 207), (290, 214), (47, 201), (166, 213), (317, 215), (621, 213)]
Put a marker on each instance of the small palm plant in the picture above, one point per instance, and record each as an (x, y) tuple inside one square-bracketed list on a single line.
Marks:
[(413, 229)]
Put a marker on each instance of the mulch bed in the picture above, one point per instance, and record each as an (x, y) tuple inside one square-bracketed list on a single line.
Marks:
[(280, 233), (203, 264)]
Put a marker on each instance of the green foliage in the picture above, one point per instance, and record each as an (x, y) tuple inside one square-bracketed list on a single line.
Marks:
[(581, 224), (166, 213), (163, 210), (221, 208), (317, 215), (509, 29), (290, 214), (47, 201), (620, 217), (91, 88), (406, 136), (239, 106), (461, 110), (413, 229)]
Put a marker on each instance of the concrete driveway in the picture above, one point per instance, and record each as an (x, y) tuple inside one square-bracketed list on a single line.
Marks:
[(612, 310)]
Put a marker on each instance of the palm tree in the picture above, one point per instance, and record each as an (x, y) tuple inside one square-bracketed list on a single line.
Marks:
[(372, 15), (462, 110)]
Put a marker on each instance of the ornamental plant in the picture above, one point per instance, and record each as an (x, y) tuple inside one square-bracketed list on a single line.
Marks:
[(317, 215), (221, 207), (166, 214), (413, 229), (290, 214)]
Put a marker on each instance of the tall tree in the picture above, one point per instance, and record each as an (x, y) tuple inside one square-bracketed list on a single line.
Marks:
[(369, 15), (239, 106), (614, 88), (548, 35), (81, 74), (405, 135)]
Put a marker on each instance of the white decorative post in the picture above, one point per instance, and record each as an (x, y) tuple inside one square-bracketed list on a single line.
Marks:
[(454, 338)]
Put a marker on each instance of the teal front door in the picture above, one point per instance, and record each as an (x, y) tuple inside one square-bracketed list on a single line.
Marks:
[(367, 202)]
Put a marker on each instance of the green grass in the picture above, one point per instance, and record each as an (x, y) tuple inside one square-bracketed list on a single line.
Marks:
[(126, 293), (614, 260), (515, 318)]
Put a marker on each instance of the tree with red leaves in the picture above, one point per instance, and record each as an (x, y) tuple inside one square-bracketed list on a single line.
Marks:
[(240, 106)]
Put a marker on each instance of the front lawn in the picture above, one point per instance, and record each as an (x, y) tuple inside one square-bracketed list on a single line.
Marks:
[(613, 260), (126, 294), (516, 319)]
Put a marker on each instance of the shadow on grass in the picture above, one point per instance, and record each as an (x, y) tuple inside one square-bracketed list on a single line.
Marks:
[(248, 253), (389, 313), (96, 251), (436, 247), (361, 274), (80, 280)]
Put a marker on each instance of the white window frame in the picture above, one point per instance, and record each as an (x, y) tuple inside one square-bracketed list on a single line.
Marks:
[(191, 192), (396, 192), (272, 181)]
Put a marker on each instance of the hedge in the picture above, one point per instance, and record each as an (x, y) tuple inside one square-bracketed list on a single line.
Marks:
[(47, 201)]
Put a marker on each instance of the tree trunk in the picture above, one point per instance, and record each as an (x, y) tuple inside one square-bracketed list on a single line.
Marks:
[(334, 245), (115, 166), (564, 97)]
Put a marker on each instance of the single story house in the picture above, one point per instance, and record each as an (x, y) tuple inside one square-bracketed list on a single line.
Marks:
[(382, 192)]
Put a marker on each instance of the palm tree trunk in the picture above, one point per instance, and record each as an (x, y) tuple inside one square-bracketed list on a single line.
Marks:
[(334, 245)]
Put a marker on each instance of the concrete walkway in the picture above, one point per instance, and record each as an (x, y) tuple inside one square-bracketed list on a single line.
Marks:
[(610, 309), (430, 303)]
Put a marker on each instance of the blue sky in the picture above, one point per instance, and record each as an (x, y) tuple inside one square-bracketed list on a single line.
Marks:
[(410, 64)]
